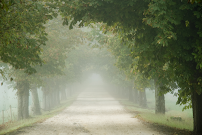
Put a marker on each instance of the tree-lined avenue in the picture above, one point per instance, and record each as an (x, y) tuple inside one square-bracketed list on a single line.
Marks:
[(95, 112)]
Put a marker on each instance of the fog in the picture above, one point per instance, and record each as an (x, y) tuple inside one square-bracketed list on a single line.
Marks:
[(94, 84), (84, 77), (93, 79)]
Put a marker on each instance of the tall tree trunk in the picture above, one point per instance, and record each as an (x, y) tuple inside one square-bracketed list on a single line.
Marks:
[(144, 103), (25, 107), (23, 99), (20, 104), (35, 100), (197, 112), (159, 99), (142, 99), (44, 99)]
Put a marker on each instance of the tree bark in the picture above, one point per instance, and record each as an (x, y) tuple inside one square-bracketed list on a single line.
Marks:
[(25, 107), (46, 99), (144, 103), (142, 99), (35, 100), (20, 104), (197, 112), (159, 100), (23, 99)]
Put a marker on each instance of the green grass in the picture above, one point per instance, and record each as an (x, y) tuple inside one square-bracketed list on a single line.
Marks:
[(14, 126), (148, 115)]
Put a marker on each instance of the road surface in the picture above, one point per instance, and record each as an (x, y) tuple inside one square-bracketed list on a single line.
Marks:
[(95, 112)]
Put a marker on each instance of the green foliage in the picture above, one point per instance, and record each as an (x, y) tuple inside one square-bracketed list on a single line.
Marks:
[(57, 69), (159, 33), (181, 41), (163, 36), (22, 33)]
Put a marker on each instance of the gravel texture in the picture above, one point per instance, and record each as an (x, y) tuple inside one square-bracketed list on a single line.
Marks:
[(95, 112)]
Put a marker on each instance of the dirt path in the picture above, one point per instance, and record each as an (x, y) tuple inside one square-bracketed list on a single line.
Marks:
[(93, 113)]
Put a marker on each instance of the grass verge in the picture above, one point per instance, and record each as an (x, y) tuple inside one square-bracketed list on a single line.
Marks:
[(165, 120), (11, 128)]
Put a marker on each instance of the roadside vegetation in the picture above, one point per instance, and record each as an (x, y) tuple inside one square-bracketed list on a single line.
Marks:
[(174, 119), (148, 115), (144, 44), (16, 126)]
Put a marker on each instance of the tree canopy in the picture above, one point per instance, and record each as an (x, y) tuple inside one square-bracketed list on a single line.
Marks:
[(165, 35)]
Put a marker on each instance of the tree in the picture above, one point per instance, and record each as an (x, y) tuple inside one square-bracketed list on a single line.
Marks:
[(55, 70), (22, 85), (183, 29), (171, 35), (22, 33), (36, 108)]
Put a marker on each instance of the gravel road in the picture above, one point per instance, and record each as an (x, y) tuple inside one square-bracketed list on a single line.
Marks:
[(95, 112)]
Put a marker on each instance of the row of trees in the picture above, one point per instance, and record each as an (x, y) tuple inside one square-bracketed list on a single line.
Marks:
[(126, 74), (164, 35), (54, 76), (39, 53)]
